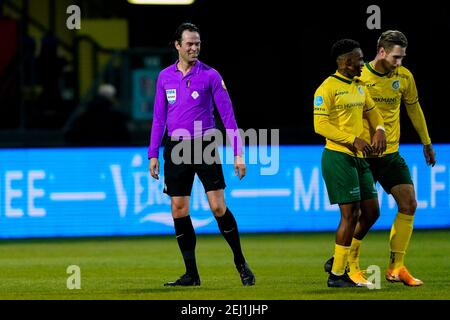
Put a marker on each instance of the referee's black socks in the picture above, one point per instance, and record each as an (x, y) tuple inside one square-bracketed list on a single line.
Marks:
[(186, 241), (229, 229)]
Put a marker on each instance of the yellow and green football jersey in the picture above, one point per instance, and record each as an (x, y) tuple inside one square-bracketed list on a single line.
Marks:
[(388, 91), (342, 102)]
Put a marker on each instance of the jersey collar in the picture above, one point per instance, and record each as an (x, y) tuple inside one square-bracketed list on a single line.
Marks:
[(375, 72), (341, 77), (195, 67)]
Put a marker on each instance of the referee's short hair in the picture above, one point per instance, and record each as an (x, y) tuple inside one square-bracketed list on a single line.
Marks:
[(343, 46), (177, 37)]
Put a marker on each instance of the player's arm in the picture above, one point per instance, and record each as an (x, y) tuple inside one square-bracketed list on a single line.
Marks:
[(323, 99), (158, 128), (376, 122), (417, 117), (415, 113), (225, 108), (323, 102), (323, 127)]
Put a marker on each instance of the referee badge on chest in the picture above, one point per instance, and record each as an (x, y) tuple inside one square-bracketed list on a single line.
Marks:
[(171, 95), (195, 95)]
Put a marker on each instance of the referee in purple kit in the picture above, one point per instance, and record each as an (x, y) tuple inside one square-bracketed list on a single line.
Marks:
[(185, 94)]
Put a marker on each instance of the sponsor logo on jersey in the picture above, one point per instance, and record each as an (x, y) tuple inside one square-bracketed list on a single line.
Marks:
[(386, 100)]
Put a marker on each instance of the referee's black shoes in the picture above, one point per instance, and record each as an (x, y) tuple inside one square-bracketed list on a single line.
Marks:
[(185, 280), (247, 276)]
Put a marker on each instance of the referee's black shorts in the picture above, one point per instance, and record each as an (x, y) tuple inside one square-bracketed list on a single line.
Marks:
[(179, 175)]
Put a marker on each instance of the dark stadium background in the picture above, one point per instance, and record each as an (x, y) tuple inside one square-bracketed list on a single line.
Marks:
[(272, 55)]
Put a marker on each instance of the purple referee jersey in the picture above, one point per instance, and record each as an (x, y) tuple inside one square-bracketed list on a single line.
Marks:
[(181, 101)]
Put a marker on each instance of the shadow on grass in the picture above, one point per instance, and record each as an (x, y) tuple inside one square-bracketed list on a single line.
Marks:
[(169, 290), (333, 291)]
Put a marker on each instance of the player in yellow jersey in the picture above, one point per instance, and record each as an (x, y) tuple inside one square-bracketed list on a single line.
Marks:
[(390, 84), (340, 104)]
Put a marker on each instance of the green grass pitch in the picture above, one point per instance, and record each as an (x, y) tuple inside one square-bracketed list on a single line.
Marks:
[(287, 267)]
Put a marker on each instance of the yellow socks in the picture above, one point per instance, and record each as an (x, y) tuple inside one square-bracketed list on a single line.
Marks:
[(399, 239), (353, 258), (340, 259)]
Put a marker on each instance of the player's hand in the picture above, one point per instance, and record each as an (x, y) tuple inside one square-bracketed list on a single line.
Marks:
[(153, 167), (430, 154), (379, 142), (239, 167), (362, 146)]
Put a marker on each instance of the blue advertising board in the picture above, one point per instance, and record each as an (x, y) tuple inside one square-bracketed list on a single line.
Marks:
[(108, 191)]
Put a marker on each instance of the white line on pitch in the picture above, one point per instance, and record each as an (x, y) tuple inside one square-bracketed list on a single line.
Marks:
[(255, 193), (77, 196)]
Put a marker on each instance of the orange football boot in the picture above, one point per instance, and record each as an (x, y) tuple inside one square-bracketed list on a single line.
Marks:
[(402, 275), (359, 279)]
